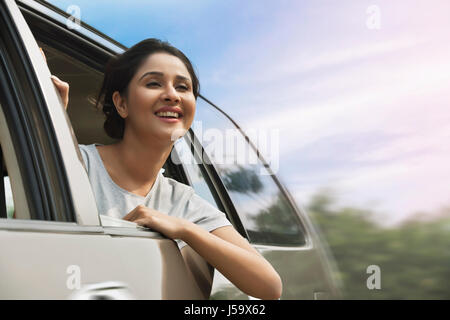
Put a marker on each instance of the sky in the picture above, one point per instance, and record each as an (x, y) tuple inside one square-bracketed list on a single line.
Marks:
[(359, 90)]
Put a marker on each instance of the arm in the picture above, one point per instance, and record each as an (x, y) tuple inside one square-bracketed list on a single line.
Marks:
[(226, 250), (223, 248)]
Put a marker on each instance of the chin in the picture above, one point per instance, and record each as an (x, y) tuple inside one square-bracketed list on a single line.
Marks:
[(171, 135)]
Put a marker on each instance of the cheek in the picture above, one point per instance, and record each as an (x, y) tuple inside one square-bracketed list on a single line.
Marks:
[(143, 99), (190, 116), (190, 106)]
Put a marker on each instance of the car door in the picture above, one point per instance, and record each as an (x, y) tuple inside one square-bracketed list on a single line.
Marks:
[(242, 184), (53, 245)]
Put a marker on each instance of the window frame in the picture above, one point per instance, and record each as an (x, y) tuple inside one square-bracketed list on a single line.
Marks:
[(24, 109)]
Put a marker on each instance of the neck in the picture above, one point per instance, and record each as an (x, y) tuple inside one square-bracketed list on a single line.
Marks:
[(141, 159)]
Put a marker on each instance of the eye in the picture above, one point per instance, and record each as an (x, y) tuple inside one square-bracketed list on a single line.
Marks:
[(183, 87), (153, 84)]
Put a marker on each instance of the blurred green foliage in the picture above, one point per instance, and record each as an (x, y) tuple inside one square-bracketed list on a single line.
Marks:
[(414, 257)]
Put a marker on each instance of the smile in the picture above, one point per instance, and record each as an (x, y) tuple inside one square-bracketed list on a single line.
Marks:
[(168, 116)]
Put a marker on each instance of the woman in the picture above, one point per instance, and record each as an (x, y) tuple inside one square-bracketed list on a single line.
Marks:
[(149, 96)]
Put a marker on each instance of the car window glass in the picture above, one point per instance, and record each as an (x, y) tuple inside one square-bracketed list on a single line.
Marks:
[(13, 202), (264, 210), (193, 171)]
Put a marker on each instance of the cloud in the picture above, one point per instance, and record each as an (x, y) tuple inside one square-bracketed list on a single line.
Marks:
[(385, 105), (401, 96), (394, 190)]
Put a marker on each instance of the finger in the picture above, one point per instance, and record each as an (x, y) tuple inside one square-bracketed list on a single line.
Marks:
[(131, 215), (43, 54), (140, 222), (63, 89), (147, 222), (56, 79), (66, 97)]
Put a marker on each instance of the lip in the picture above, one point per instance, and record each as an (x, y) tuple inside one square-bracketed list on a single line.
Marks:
[(170, 120), (171, 109)]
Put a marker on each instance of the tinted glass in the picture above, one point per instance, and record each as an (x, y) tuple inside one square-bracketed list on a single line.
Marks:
[(265, 212), (192, 170)]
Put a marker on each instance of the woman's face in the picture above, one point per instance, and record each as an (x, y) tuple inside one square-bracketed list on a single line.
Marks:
[(160, 103)]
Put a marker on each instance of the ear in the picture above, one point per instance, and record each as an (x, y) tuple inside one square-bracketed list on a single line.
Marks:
[(120, 104)]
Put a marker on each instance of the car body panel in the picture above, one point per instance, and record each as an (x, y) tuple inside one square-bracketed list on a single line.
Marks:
[(55, 265)]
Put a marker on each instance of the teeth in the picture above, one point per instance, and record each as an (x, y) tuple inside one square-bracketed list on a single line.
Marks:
[(167, 114)]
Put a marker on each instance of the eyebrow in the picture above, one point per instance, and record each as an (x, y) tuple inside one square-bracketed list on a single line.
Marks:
[(157, 73)]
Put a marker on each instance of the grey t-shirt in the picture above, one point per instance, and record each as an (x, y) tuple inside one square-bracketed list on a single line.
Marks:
[(167, 196)]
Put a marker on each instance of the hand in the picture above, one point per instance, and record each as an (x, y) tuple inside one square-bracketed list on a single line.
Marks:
[(171, 227), (63, 87)]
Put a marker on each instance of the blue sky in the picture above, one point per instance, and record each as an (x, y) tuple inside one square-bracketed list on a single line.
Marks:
[(361, 109)]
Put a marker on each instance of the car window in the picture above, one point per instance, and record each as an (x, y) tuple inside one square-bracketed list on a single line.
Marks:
[(192, 170), (13, 203), (264, 210), (85, 82)]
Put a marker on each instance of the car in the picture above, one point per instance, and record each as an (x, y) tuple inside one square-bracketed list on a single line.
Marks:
[(53, 242)]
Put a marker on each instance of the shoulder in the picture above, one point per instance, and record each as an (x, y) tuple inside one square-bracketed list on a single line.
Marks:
[(88, 154), (86, 148), (176, 188), (85, 153)]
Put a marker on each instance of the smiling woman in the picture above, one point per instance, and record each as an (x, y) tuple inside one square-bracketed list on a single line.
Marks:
[(137, 67), (149, 97)]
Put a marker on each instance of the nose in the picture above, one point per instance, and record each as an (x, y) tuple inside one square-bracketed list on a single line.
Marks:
[(170, 94)]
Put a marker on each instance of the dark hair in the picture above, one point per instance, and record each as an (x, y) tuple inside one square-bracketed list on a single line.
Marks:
[(120, 70)]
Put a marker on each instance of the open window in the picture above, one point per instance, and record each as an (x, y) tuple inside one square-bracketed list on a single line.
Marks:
[(80, 62)]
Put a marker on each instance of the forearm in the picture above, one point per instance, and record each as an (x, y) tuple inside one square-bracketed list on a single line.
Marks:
[(249, 271)]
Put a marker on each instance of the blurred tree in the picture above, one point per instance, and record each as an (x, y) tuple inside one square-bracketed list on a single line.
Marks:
[(414, 257), (243, 180)]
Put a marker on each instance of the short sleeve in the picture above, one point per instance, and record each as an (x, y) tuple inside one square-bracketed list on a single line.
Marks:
[(83, 151), (203, 214)]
